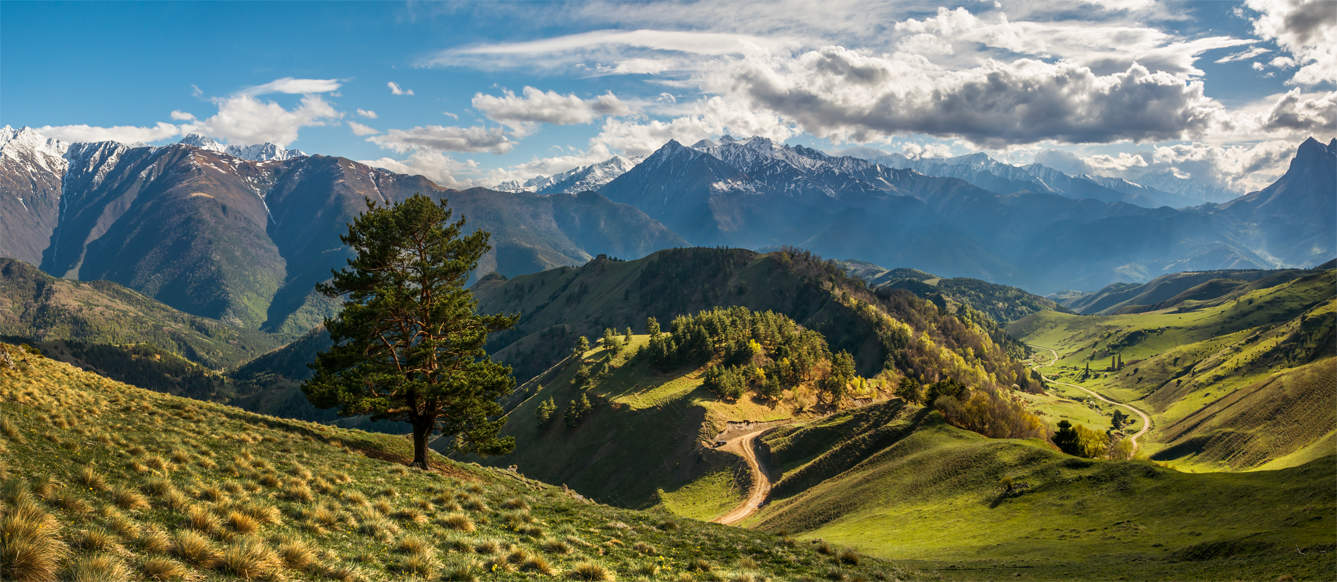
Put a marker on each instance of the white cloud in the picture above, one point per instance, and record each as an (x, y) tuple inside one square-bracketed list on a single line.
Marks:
[(1304, 114), (435, 166), (707, 118), (359, 129), (182, 116), (243, 119), (521, 112), (847, 95), (293, 86), (127, 134), (444, 138), (396, 90), (367, 113), (1243, 55), (1307, 29)]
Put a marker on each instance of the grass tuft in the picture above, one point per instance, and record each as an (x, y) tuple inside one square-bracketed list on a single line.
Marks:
[(97, 568), (30, 550), (194, 548), (162, 569), (250, 559), (591, 572), (458, 521)]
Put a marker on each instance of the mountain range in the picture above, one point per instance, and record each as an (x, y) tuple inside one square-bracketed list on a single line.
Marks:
[(758, 194), (243, 234), (245, 240)]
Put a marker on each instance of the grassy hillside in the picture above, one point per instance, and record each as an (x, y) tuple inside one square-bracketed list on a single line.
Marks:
[(969, 507), (103, 481), (646, 426), (40, 308), (876, 328), (1002, 303), (1239, 379)]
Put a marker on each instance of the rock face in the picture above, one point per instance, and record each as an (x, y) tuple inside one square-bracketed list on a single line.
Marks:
[(245, 241)]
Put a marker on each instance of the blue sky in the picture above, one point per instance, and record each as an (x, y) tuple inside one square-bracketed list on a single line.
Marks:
[(1220, 92)]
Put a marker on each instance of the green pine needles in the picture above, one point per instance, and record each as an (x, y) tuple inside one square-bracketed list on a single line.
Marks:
[(408, 343)]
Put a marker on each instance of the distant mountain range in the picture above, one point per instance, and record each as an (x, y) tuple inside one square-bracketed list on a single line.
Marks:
[(243, 234), (758, 194), (245, 240)]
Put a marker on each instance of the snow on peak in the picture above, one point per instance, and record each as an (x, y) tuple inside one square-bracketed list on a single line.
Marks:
[(262, 152), (578, 179), (29, 148)]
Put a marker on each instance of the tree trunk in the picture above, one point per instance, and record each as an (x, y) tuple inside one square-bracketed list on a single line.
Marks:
[(422, 428)]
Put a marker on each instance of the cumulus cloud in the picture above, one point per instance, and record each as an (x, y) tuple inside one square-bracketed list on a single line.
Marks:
[(293, 86), (847, 95), (1312, 114), (1306, 29), (182, 116), (245, 119), (706, 118), (445, 138), (435, 166), (396, 90), (127, 134), (360, 129), (367, 113), (521, 112)]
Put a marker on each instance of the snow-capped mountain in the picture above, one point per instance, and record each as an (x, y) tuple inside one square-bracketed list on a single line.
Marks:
[(579, 179), (262, 152)]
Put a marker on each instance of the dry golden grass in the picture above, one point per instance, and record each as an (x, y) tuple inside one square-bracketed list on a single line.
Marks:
[(195, 548), (129, 499), (590, 571), (458, 521), (161, 569), (241, 522), (30, 547), (97, 568), (250, 559)]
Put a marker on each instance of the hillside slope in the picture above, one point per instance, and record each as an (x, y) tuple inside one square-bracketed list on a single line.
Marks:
[(103, 481), (557, 306), (976, 508), (1242, 377)]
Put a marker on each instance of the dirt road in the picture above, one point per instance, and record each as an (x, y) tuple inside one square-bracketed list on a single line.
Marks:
[(1146, 419), (742, 441)]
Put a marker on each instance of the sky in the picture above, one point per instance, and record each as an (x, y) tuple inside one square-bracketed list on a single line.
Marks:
[(1218, 92)]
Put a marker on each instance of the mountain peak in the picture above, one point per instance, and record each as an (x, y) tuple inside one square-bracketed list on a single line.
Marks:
[(262, 152)]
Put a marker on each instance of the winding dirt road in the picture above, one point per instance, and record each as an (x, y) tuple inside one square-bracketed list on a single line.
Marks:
[(1146, 419), (742, 442)]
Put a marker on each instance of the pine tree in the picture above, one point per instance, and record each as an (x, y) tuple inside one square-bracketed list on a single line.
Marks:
[(408, 342)]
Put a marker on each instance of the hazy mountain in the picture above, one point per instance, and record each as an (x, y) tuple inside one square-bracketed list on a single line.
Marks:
[(757, 194), (243, 241), (990, 174)]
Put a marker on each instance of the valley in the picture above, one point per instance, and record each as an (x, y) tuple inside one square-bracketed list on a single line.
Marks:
[(860, 421)]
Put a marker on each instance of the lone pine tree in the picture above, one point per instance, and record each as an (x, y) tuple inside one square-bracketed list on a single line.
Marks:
[(408, 342)]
